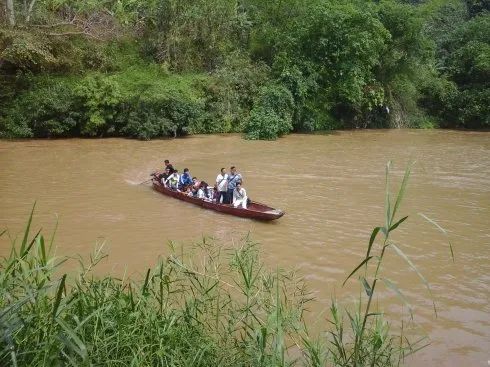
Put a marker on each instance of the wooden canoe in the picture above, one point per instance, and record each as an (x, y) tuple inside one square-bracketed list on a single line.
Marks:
[(254, 210)]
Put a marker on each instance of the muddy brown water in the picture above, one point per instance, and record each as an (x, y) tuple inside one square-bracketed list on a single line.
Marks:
[(331, 187)]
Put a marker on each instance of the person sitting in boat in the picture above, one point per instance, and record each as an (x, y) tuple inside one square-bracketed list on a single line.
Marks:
[(239, 196), (208, 191), (163, 176), (169, 166), (185, 179), (172, 181), (188, 191), (195, 183), (200, 192), (215, 194)]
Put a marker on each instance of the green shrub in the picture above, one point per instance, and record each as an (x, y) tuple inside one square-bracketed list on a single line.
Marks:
[(98, 97), (165, 116), (25, 50), (47, 111), (474, 108), (271, 116), (143, 120), (230, 93)]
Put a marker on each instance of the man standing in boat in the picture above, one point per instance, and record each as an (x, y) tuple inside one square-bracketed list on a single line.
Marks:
[(169, 166), (233, 178), (222, 186), (240, 196)]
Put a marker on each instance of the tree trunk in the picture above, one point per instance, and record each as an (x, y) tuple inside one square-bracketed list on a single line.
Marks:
[(29, 10), (9, 6)]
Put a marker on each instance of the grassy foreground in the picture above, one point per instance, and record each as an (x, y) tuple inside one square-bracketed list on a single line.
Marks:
[(203, 305)]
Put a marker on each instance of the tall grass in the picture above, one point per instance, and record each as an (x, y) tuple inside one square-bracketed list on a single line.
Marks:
[(203, 305)]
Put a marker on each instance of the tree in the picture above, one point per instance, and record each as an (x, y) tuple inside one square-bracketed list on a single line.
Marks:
[(9, 8)]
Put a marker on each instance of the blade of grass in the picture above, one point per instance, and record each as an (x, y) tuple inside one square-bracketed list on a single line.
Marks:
[(357, 268), (440, 229), (27, 230), (394, 226), (367, 287), (387, 196), (371, 240), (390, 285), (401, 192), (58, 296), (414, 268)]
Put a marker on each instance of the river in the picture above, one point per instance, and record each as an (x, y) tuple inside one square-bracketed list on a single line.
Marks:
[(330, 186)]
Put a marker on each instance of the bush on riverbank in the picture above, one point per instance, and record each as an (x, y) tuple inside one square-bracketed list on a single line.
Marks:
[(141, 103)]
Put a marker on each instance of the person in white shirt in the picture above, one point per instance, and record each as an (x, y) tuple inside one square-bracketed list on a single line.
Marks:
[(172, 181), (205, 192), (222, 185), (240, 196), (200, 193)]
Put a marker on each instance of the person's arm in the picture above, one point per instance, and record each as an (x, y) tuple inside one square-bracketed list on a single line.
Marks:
[(167, 180)]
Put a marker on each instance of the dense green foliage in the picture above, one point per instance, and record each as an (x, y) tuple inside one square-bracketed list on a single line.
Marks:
[(165, 68)]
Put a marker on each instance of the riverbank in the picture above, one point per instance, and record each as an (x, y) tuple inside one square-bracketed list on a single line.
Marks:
[(148, 70)]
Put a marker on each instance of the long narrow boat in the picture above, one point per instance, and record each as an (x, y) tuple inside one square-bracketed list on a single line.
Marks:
[(254, 210)]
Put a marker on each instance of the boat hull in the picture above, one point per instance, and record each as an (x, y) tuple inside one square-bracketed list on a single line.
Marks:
[(254, 210)]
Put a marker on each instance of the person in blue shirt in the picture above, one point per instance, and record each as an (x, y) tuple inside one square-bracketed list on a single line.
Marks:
[(185, 179), (233, 178)]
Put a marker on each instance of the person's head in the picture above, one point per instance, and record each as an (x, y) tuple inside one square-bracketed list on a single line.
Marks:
[(167, 162), (194, 179), (238, 185), (233, 169), (167, 170), (223, 171), (186, 170), (204, 185), (176, 171)]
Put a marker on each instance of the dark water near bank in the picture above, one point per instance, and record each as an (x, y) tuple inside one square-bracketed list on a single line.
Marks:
[(331, 187)]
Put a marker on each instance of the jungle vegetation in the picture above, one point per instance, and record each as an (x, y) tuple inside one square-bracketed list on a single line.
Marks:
[(154, 68)]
